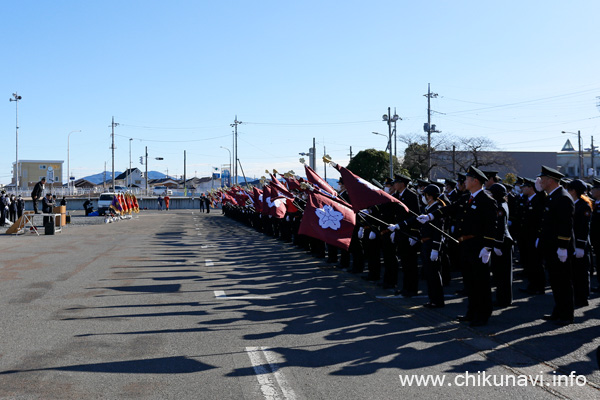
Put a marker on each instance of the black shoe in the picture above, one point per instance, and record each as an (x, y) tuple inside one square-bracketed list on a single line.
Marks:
[(387, 286), (433, 305), (550, 318), (563, 322), (463, 318), (581, 304), (531, 291), (407, 293), (596, 289), (478, 322)]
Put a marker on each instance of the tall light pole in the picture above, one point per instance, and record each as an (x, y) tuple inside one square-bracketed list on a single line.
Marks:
[(112, 146), (389, 119), (429, 128), (230, 161), (68, 162), (129, 174), (16, 99), (580, 152), (385, 136), (235, 152)]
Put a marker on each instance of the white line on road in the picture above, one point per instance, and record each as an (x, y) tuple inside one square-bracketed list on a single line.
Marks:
[(265, 374), (209, 263), (411, 297), (220, 294)]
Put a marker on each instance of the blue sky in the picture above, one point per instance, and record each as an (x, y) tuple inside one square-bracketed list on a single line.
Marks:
[(175, 74)]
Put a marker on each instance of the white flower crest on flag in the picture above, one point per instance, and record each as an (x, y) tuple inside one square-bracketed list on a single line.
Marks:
[(275, 203), (329, 218), (368, 184)]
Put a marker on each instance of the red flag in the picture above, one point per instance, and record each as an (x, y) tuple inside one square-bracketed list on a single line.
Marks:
[(292, 183), (328, 220), (257, 195), (282, 190), (315, 179), (364, 194)]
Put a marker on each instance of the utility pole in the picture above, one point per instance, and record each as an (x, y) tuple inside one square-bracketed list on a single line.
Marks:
[(146, 170), (429, 128), (16, 99), (184, 175), (593, 149), (453, 160), (112, 147), (389, 119), (350, 153), (235, 152)]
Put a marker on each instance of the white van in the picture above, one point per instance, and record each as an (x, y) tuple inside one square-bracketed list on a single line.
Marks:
[(104, 202)]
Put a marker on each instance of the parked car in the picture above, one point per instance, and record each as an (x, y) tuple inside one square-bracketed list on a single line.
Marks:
[(104, 202), (162, 190)]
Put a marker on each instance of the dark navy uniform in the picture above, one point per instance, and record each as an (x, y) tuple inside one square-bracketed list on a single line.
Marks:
[(531, 259), (475, 230), (408, 249), (556, 232), (581, 265)]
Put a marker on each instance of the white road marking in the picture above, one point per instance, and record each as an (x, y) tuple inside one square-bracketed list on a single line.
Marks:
[(271, 388), (221, 295), (209, 263)]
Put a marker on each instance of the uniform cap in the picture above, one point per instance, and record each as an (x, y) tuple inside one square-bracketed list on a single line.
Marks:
[(432, 190), (498, 190), (551, 172), (476, 174), (399, 178)]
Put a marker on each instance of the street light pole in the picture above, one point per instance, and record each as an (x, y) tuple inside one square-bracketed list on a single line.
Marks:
[(129, 174), (389, 119), (580, 151), (68, 162), (16, 99)]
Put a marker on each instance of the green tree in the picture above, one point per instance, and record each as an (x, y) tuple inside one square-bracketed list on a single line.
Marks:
[(415, 160), (372, 164)]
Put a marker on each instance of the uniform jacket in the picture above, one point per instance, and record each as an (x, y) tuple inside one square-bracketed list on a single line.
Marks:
[(531, 217), (37, 190), (556, 229), (474, 220), (581, 223)]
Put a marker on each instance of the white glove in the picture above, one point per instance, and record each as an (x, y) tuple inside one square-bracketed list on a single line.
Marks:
[(361, 232), (579, 253), (270, 216), (366, 211), (536, 242), (287, 218), (393, 236), (434, 255), (424, 218), (392, 228), (452, 229), (372, 235), (498, 252), (485, 254), (562, 254), (412, 241)]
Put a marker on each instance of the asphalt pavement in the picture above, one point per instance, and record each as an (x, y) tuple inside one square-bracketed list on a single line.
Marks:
[(183, 304)]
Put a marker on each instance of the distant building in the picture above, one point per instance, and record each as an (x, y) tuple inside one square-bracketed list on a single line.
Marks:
[(131, 178), (32, 171), (521, 163)]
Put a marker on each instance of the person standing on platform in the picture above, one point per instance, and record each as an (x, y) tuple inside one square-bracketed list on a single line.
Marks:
[(167, 200), (37, 193), (557, 245), (160, 202)]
